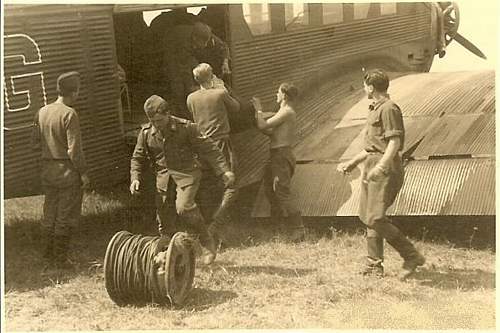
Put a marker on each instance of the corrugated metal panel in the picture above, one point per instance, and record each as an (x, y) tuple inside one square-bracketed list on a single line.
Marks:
[(128, 8), (254, 61), (458, 135), (313, 52), (477, 193), (320, 111), (474, 135), (449, 93), (447, 187), (432, 187), (55, 39), (327, 145), (318, 188)]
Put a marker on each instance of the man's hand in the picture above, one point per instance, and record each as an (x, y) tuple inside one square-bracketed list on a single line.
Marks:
[(84, 178), (346, 167), (376, 173), (257, 105), (225, 67), (134, 187), (229, 178)]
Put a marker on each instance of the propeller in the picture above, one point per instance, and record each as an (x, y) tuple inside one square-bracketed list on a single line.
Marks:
[(451, 21), (468, 45)]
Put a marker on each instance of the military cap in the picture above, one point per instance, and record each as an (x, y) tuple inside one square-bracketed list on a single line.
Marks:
[(155, 104), (202, 31)]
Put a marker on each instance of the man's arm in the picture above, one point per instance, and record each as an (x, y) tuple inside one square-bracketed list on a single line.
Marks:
[(222, 51), (138, 161), (279, 118), (383, 166), (348, 166), (232, 105), (36, 135), (75, 150)]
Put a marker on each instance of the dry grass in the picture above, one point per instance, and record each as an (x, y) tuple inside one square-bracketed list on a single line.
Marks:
[(259, 282)]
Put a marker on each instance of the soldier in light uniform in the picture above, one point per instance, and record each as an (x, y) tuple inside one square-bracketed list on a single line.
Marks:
[(64, 170), (210, 107), (382, 176), (173, 145)]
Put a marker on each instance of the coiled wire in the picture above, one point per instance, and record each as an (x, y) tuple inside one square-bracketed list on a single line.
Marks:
[(134, 275)]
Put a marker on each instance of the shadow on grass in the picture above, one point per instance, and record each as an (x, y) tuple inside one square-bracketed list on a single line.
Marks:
[(265, 269), (25, 268), (201, 299), (459, 279)]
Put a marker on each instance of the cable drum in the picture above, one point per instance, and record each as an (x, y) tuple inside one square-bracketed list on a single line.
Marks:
[(149, 269)]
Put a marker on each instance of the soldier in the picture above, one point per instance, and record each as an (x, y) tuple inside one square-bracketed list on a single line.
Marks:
[(382, 176), (281, 128), (64, 170), (210, 107), (185, 47), (172, 144)]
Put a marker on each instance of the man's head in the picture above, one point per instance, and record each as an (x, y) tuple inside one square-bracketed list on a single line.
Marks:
[(287, 92), (201, 35), (203, 73), (375, 81), (68, 85), (158, 111)]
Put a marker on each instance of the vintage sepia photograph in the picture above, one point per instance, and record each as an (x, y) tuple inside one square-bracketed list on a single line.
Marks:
[(248, 165)]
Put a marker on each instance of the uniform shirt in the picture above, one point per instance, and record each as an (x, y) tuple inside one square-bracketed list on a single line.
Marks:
[(384, 121), (284, 128), (57, 132), (210, 108), (174, 151)]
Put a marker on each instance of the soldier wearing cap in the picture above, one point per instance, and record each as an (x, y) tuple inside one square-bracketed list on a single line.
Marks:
[(382, 176), (173, 144), (57, 135), (185, 47)]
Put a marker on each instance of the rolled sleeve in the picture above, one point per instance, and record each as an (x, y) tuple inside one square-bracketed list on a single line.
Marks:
[(392, 120)]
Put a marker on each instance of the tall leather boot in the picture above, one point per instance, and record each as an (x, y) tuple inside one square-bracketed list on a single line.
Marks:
[(221, 218), (296, 227), (196, 226), (395, 238), (412, 258), (47, 243), (61, 247), (375, 257)]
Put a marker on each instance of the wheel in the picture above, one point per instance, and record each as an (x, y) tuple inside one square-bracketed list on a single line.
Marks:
[(179, 268)]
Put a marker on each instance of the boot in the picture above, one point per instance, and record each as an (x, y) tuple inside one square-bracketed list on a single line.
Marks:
[(47, 244), (375, 259), (61, 246), (298, 231), (412, 258), (221, 218), (196, 226)]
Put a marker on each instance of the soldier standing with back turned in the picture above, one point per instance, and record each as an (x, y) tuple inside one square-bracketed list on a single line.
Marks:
[(64, 171)]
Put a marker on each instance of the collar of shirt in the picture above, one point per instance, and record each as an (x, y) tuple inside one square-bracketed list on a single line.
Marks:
[(376, 104), (172, 127)]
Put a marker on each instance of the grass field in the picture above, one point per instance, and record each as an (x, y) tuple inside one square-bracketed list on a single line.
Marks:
[(259, 281)]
